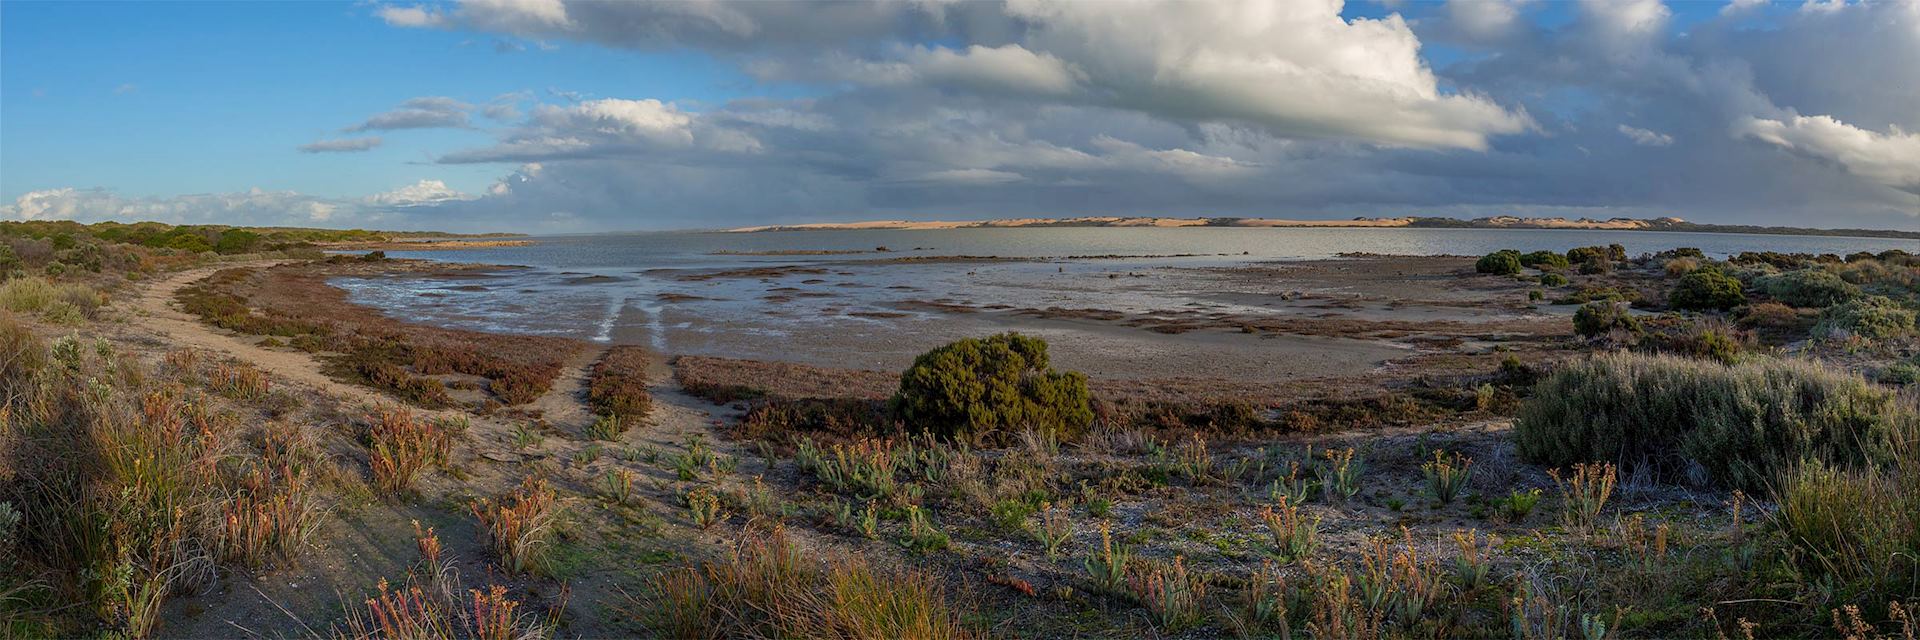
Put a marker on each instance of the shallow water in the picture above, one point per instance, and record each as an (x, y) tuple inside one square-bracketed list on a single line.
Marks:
[(636, 288)]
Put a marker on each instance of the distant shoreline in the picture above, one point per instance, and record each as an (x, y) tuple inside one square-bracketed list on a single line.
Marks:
[(1499, 222)]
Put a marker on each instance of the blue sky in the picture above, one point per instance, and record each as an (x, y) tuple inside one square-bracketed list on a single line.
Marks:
[(663, 115), (158, 98)]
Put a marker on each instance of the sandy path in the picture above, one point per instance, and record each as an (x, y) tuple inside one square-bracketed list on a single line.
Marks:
[(156, 308)]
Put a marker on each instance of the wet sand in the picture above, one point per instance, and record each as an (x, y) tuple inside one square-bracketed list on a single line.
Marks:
[(1126, 320)]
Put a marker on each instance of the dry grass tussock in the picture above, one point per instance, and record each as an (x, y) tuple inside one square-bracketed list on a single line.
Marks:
[(137, 486), (768, 587)]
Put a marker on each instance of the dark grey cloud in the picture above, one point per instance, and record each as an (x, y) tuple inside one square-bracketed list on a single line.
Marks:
[(341, 145), (1763, 115), (431, 112)]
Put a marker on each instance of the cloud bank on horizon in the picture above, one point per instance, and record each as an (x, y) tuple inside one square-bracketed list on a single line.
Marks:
[(1755, 113)]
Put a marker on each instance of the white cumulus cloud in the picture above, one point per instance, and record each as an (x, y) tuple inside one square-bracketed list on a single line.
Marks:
[(1891, 159)]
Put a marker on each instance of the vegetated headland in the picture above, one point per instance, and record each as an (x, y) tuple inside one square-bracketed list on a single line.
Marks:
[(202, 437), (1416, 222)]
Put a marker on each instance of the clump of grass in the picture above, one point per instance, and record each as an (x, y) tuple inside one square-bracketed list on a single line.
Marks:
[(1584, 491), (865, 522), (414, 612), (1338, 473), (1742, 424), (1470, 566), (1857, 525), (1397, 581), (520, 526), (270, 515), (1192, 460), (703, 507), (1447, 476), (866, 468), (1294, 535), (1054, 529), (1107, 565), (1171, 594), (1291, 487), (607, 427), (921, 535), (402, 446), (617, 484), (1517, 505), (768, 588), (241, 381)]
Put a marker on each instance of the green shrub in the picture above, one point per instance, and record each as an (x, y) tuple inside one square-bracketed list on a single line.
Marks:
[(1871, 317), (974, 387), (1899, 373), (1583, 255), (1553, 280), (27, 294), (1809, 288), (1598, 317), (1544, 260), (1600, 294), (1504, 262), (1706, 289), (1742, 424)]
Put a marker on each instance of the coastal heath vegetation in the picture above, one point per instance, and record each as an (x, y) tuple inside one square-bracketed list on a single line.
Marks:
[(1738, 425)]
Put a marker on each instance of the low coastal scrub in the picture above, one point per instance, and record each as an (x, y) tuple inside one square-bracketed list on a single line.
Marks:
[(1603, 317), (63, 303), (1815, 287), (1706, 290), (1741, 425), (977, 388), (617, 386), (1870, 317), (1544, 260), (1504, 262)]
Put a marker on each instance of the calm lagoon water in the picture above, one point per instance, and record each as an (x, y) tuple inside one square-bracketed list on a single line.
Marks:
[(643, 287)]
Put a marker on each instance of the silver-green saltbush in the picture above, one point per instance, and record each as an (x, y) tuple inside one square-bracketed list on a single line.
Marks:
[(1743, 424)]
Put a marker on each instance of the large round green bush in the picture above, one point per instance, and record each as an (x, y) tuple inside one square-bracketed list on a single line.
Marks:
[(1706, 289), (1544, 260), (1742, 425), (1504, 262), (1809, 288), (1601, 316), (1871, 317), (973, 388)]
